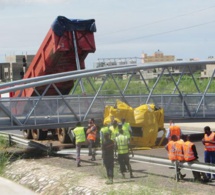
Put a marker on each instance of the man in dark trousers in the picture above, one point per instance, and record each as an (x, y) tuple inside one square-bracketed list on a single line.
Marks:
[(209, 154), (108, 156), (122, 147), (91, 138), (191, 155), (80, 137)]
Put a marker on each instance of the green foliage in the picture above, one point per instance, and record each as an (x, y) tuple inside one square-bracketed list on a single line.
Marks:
[(166, 85), (3, 142), (4, 157)]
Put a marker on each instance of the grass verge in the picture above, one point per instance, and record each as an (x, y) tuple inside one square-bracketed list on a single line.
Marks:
[(4, 156)]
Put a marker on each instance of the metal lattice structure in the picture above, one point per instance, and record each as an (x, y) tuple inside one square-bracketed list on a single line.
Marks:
[(96, 88)]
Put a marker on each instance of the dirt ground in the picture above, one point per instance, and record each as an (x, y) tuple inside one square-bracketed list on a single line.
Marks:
[(58, 175)]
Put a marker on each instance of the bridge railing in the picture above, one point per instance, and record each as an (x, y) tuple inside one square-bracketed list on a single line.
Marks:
[(50, 111)]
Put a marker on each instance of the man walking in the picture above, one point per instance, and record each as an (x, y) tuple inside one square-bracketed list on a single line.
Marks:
[(91, 138), (209, 142), (122, 147), (108, 156), (80, 138)]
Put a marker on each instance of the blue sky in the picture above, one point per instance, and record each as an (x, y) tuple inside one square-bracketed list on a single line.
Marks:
[(184, 28)]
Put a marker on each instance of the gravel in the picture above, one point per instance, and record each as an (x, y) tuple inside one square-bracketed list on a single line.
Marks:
[(58, 175)]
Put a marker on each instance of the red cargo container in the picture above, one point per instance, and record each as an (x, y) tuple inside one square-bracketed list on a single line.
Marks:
[(57, 53), (66, 41)]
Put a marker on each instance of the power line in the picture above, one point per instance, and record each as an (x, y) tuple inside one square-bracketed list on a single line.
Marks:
[(157, 21), (166, 32)]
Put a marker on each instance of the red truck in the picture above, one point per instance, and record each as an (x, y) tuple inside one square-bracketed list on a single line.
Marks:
[(64, 48)]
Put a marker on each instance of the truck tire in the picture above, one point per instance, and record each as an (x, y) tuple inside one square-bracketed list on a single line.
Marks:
[(63, 136), (39, 134), (27, 134)]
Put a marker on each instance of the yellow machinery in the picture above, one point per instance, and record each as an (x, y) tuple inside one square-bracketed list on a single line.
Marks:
[(146, 121)]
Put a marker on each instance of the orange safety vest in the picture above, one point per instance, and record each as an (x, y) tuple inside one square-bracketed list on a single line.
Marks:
[(174, 130), (208, 146), (179, 150), (188, 152), (91, 132), (171, 150)]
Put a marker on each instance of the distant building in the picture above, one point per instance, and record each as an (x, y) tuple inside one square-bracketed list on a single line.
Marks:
[(158, 56), (106, 62), (209, 69), (13, 68), (5, 72)]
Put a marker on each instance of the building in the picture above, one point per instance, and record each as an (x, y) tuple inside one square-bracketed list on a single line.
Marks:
[(13, 69), (158, 56), (209, 69), (107, 62), (5, 72)]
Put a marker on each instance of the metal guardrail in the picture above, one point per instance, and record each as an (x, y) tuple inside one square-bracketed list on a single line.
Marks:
[(18, 140), (191, 166)]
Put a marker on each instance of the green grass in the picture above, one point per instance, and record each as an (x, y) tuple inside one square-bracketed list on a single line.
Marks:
[(166, 85), (4, 156)]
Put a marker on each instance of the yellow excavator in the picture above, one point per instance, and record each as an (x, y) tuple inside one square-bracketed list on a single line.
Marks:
[(146, 122)]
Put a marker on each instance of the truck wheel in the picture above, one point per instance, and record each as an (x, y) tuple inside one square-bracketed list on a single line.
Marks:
[(27, 134), (38, 134), (63, 136)]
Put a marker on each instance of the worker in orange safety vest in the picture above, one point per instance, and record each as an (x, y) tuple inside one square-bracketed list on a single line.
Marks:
[(179, 149), (209, 142), (191, 155), (180, 154), (170, 147), (175, 152), (91, 138), (173, 130)]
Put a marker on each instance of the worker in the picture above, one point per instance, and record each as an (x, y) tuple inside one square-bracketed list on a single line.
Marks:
[(114, 129), (180, 154), (173, 130), (209, 142), (179, 149), (103, 130), (91, 138), (126, 128), (108, 156), (170, 147), (191, 155), (80, 137), (174, 149), (111, 120), (122, 148)]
